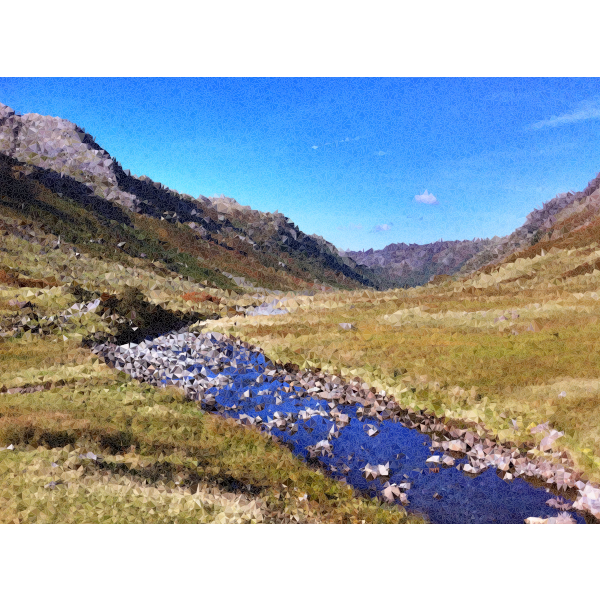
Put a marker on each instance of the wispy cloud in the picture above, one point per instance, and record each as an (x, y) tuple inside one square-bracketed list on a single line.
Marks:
[(583, 111), (383, 227), (350, 227), (344, 141), (426, 198), (380, 153)]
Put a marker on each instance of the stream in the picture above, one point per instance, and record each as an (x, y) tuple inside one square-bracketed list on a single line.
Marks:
[(243, 384)]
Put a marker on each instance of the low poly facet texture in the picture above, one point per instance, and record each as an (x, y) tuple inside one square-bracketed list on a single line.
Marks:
[(169, 359)]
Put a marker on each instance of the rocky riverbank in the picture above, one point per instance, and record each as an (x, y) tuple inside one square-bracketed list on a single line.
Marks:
[(197, 361)]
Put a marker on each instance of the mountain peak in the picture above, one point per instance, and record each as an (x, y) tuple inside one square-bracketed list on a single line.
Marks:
[(6, 111)]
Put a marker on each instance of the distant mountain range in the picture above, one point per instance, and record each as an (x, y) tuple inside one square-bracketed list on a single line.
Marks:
[(53, 172), (417, 264)]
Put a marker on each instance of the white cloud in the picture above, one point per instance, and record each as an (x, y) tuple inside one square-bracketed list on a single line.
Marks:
[(350, 139), (380, 153), (583, 111), (426, 198), (315, 147), (383, 227)]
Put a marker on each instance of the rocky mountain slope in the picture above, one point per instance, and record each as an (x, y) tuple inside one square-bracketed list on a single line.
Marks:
[(58, 159), (409, 265), (570, 220)]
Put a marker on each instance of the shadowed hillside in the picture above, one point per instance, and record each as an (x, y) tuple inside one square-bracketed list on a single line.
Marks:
[(251, 247)]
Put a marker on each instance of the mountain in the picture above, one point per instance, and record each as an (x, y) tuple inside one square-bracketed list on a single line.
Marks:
[(409, 265), (53, 172), (570, 220), (567, 219)]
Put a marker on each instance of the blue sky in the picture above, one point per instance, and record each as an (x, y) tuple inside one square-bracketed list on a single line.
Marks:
[(361, 162)]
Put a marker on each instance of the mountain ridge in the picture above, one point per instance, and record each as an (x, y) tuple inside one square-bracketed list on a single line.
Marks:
[(66, 160), (62, 157), (418, 264)]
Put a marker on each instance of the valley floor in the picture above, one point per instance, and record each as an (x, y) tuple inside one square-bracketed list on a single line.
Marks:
[(513, 356)]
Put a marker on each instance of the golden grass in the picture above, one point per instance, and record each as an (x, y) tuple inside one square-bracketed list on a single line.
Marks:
[(164, 461), (457, 349), (443, 348)]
